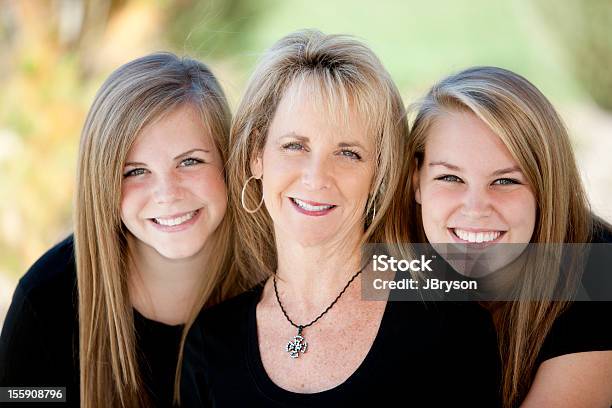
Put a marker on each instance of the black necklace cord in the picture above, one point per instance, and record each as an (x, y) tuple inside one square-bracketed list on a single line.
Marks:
[(303, 326)]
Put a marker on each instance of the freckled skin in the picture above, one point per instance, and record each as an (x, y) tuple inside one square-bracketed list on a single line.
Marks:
[(321, 170), (337, 344), (164, 185), (472, 196), (317, 170)]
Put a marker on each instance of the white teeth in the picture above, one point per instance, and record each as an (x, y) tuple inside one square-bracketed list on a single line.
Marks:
[(171, 222), (309, 207), (477, 237)]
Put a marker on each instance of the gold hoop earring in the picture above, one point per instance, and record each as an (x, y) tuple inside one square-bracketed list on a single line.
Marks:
[(242, 198)]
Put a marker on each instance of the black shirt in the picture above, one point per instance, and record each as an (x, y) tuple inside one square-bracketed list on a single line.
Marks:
[(586, 325), (425, 354), (39, 343)]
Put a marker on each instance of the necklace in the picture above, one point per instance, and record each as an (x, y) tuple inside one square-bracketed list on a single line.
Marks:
[(298, 344)]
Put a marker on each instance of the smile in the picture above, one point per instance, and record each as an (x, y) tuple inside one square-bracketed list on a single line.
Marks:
[(477, 236), (311, 207), (175, 220)]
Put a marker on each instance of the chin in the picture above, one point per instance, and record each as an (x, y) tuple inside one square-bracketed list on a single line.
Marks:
[(178, 253)]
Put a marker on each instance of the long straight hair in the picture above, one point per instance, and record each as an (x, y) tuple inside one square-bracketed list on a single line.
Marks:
[(135, 95), (341, 73), (528, 125)]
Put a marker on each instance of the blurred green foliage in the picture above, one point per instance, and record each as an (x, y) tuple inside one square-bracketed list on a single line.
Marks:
[(585, 30), (55, 54), (218, 28)]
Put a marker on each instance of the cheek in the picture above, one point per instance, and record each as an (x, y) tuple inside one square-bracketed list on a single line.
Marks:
[(353, 178), (133, 198), (280, 168), (280, 175), (209, 185), (528, 211), (438, 203), (519, 210), (355, 184)]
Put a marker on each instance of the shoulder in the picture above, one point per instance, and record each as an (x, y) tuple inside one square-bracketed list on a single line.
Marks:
[(36, 345), (52, 272), (47, 294), (602, 232), (215, 339), (234, 312), (582, 327)]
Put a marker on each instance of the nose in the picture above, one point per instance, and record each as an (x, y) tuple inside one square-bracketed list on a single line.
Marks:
[(476, 203), (316, 173), (167, 189)]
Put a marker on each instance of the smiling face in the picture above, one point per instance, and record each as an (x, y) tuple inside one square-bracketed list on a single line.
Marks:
[(173, 194), (316, 171), (470, 188)]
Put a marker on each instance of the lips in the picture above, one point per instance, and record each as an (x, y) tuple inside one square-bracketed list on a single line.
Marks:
[(312, 207)]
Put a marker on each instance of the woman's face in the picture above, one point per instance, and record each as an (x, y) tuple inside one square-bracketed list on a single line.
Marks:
[(470, 188), (173, 192), (316, 171)]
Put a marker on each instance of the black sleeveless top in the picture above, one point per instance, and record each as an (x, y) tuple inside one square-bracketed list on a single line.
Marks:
[(425, 354)]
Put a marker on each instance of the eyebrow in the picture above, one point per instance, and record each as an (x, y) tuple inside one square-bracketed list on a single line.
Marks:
[(294, 136), (176, 158), (445, 164), (507, 170), (306, 139), (495, 173), (191, 151)]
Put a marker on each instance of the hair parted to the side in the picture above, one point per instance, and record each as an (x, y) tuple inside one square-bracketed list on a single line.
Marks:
[(528, 125), (135, 95), (340, 73)]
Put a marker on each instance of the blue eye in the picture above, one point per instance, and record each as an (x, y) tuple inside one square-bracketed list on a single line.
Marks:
[(190, 162), (505, 182), (449, 178), (292, 146), (350, 154), (135, 172)]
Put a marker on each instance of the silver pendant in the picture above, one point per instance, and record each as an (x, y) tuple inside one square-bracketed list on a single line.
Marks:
[(297, 345)]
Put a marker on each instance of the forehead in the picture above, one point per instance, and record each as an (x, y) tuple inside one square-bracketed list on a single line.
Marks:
[(465, 140), (172, 133), (310, 110)]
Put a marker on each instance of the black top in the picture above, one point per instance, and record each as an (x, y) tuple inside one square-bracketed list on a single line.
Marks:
[(586, 325), (39, 342), (434, 354)]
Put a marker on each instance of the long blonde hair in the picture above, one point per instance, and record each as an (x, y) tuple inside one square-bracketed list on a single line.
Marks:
[(134, 95), (342, 73), (528, 125)]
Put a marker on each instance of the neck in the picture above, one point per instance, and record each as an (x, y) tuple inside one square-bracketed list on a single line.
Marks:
[(309, 278), (163, 289)]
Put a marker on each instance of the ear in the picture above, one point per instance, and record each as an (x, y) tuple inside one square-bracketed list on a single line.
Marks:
[(257, 165), (416, 184)]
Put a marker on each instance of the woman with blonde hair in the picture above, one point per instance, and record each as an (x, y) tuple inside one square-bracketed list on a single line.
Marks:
[(104, 313), (317, 144), (490, 163)]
